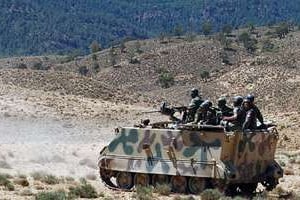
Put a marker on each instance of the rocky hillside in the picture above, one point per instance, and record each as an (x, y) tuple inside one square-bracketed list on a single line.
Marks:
[(150, 71)]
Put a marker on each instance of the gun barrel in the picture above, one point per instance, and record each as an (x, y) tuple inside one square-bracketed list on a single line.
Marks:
[(153, 111)]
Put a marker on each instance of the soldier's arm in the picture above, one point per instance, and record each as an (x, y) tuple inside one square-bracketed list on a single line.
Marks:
[(231, 118), (246, 123), (259, 115)]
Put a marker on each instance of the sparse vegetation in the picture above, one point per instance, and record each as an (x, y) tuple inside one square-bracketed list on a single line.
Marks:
[(59, 195), (183, 198), (143, 193), (83, 70), (206, 28), (95, 47), (178, 30), (267, 45), (39, 66), (166, 79), (204, 74), (227, 29), (85, 190), (282, 30), (112, 56), (45, 178), (21, 66), (248, 42), (163, 189), (210, 194), (4, 181)]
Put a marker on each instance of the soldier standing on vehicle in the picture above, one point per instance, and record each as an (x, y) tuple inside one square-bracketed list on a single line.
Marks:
[(259, 116), (235, 122), (223, 108), (250, 120), (194, 105)]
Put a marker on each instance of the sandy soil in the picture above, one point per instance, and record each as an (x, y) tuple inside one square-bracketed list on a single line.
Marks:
[(63, 134)]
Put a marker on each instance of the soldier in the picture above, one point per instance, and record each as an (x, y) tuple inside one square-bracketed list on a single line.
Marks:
[(259, 116), (236, 121), (250, 120), (194, 105), (206, 114), (223, 108)]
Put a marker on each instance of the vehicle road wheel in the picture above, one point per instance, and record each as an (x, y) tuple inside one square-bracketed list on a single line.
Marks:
[(270, 183), (158, 179), (124, 180), (248, 188), (141, 179), (178, 184), (196, 185)]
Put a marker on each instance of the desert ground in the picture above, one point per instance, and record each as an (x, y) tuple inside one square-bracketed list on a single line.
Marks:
[(62, 135)]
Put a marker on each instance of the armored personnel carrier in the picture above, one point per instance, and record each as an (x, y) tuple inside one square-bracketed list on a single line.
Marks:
[(190, 158)]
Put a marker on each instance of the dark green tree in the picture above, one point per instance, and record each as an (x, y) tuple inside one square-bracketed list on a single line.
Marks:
[(206, 28), (282, 30), (227, 29), (178, 30)]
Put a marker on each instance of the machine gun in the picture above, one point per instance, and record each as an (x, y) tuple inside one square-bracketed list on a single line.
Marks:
[(169, 111)]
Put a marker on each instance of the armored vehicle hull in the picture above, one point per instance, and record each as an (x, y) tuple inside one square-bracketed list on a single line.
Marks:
[(191, 158)]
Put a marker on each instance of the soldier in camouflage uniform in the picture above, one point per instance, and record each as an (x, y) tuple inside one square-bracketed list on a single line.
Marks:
[(250, 120), (236, 121), (194, 105), (206, 114), (223, 108), (259, 116)]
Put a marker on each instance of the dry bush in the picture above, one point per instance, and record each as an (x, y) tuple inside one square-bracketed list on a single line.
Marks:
[(51, 196), (183, 198), (210, 194), (163, 189), (83, 191), (45, 178), (143, 193), (6, 183)]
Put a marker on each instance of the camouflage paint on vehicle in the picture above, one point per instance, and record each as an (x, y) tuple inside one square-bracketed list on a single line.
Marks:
[(206, 152)]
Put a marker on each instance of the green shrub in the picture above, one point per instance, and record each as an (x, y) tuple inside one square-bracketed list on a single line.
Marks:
[(21, 66), (83, 70), (282, 30), (166, 79), (39, 66), (50, 179), (143, 193), (183, 198), (83, 191), (267, 45), (163, 189), (6, 183), (51, 196), (38, 175), (210, 194), (204, 74)]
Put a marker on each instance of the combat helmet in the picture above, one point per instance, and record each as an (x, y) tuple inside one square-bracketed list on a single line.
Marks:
[(237, 100), (250, 97), (194, 92), (221, 101)]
